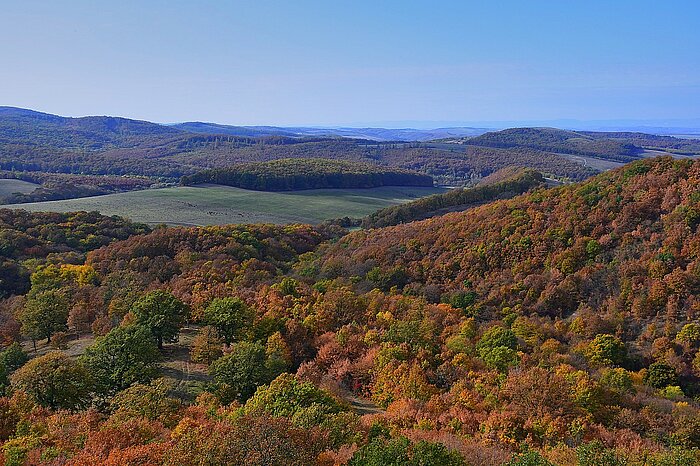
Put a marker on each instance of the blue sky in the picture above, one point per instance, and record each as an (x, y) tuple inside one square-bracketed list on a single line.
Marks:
[(353, 62)]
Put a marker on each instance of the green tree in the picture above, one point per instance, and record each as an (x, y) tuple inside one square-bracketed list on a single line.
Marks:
[(607, 350), (286, 396), (231, 318), (660, 375), (498, 336), (379, 452), (497, 348), (528, 458), (687, 435), (44, 314), (146, 401), (499, 357), (595, 454), (279, 356), (307, 406), (617, 379), (11, 359), (55, 381), (162, 313), (431, 453), (288, 287), (400, 452), (124, 356), (690, 334), (241, 372)]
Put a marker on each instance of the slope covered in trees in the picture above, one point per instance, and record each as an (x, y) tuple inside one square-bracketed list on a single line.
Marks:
[(26, 127), (500, 185), (559, 141), (458, 164), (619, 146), (311, 173), (25, 238), (557, 327), (670, 144), (646, 211)]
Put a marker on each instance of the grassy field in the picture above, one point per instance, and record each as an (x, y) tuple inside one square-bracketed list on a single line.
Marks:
[(8, 187), (217, 205)]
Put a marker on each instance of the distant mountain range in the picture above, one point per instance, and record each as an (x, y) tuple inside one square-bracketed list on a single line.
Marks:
[(689, 128), (32, 141), (96, 127), (670, 127), (372, 134)]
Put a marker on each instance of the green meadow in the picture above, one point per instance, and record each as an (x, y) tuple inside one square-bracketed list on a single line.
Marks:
[(217, 205), (10, 186)]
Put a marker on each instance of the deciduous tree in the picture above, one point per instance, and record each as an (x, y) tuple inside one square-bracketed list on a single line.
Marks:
[(162, 313), (44, 314), (55, 381), (230, 316), (124, 356)]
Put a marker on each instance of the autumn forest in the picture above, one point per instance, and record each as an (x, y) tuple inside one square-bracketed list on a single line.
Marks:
[(559, 326)]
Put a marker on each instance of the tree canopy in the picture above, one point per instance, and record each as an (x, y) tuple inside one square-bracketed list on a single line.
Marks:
[(161, 313)]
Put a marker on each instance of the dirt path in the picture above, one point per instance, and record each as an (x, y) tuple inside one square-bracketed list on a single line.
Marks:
[(361, 405)]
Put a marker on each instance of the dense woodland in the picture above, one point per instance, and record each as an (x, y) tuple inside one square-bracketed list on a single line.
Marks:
[(557, 327), (28, 239), (312, 173)]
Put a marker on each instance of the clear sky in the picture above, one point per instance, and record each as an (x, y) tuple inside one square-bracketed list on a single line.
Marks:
[(335, 62)]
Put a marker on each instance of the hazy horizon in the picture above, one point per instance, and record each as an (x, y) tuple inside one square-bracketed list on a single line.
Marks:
[(688, 124)]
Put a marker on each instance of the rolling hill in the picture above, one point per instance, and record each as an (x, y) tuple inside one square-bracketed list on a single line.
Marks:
[(559, 141), (33, 142), (556, 327), (27, 127)]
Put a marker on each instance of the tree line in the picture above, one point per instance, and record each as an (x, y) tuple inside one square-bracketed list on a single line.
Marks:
[(314, 173), (453, 200)]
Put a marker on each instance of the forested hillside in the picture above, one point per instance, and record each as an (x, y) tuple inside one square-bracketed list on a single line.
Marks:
[(617, 146), (38, 142), (558, 140), (32, 129), (557, 327), (501, 185), (312, 173), (651, 141), (27, 239)]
